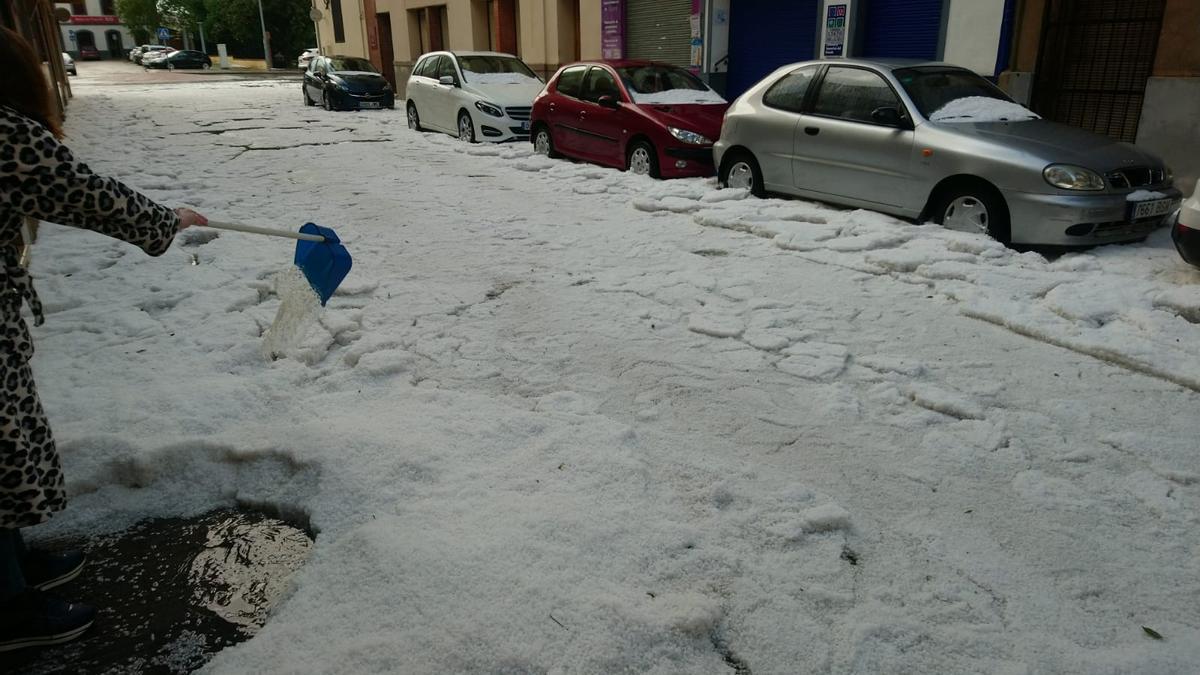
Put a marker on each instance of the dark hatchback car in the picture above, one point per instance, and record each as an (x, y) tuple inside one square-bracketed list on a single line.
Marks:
[(346, 83), (181, 59), (650, 118)]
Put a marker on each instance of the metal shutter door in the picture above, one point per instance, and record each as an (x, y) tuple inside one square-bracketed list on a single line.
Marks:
[(766, 34), (659, 30), (907, 29)]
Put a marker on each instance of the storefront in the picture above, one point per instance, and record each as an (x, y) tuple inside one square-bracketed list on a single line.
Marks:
[(766, 34), (659, 30)]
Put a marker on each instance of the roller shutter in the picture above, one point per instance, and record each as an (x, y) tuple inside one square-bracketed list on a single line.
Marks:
[(659, 30), (766, 34), (907, 29)]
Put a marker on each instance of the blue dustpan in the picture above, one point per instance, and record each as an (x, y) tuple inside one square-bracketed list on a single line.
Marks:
[(324, 263), (319, 254)]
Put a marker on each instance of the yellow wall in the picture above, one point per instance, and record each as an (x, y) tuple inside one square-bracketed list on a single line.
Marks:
[(355, 30)]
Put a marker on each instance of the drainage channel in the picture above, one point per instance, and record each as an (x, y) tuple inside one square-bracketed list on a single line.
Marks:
[(172, 592)]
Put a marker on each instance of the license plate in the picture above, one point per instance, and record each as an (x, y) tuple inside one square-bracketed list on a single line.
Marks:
[(1150, 208), (369, 104), (525, 126)]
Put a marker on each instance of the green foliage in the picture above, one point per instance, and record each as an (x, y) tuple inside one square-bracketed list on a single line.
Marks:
[(236, 23), (141, 16)]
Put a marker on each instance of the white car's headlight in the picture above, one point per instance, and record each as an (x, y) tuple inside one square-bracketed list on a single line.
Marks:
[(1069, 177), (689, 136), (489, 109)]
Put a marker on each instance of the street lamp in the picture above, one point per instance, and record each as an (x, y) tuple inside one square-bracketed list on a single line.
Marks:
[(266, 36)]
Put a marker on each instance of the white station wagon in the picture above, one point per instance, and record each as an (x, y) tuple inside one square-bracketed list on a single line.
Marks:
[(477, 96)]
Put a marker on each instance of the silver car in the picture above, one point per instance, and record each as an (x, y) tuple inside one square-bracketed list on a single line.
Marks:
[(935, 141)]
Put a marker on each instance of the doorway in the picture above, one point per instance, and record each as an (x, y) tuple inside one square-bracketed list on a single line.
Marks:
[(1093, 63), (386, 53), (113, 38), (84, 38)]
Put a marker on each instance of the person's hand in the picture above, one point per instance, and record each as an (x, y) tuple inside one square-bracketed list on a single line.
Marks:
[(188, 217)]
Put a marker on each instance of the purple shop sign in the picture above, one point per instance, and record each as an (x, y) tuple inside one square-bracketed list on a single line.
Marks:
[(612, 29)]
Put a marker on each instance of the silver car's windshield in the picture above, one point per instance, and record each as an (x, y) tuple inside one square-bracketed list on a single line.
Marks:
[(932, 87)]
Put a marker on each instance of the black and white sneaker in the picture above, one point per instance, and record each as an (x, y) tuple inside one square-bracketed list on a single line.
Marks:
[(38, 619), (44, 570)]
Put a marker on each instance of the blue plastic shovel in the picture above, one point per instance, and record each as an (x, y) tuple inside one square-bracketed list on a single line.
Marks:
[(319, 254)]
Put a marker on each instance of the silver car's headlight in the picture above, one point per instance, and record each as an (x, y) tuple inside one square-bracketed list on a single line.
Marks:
[(1069, 177), (489, 109), (689, 136)]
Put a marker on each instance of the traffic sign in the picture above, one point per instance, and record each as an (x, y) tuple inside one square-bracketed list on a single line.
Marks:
[(164, 33)]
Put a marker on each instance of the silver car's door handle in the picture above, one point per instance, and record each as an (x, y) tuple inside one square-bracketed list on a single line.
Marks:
[(812, 131)]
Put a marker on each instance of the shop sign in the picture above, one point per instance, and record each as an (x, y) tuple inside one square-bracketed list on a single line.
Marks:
[(835, 30), (612, 29), (95, 20)]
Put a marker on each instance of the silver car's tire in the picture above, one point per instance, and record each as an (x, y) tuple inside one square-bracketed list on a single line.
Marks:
[(740, 170), (974, 208), (642, 160), (414, 119), (466, 128), (543, 143)]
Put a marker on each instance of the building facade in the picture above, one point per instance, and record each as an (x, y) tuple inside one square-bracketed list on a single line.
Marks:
[(1129, 69), (35, 21), (94, 23)]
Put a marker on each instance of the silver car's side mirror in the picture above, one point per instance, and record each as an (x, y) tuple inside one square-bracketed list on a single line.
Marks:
[(889, 116)]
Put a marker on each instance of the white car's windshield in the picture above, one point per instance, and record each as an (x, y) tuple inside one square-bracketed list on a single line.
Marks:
[(495, 70)]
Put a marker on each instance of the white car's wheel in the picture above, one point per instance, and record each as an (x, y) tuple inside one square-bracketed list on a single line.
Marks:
[(414, 119), (170, 66), (466, 128)]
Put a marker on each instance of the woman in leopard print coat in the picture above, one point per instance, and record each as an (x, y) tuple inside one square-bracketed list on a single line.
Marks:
[(41, 179)]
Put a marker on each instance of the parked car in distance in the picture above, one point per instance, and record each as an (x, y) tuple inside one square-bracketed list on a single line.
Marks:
[(477, 96), (139, 56), (346, 83), (1186, 233), (149, 59), (181, 59), (932, 140), (89, 53), (69, 64), (651, 118), (307, 56)]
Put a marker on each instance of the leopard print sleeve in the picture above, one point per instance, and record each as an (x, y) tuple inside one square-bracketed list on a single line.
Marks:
[(40, 177)]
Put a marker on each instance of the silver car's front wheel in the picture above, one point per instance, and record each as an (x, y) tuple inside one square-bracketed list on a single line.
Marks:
[(967, 214), (741, 176)]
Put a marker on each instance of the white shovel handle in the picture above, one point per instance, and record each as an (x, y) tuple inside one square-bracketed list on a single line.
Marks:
[(237, 227)]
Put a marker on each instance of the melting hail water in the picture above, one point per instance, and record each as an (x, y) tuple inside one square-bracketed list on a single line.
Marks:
[(299, 307)]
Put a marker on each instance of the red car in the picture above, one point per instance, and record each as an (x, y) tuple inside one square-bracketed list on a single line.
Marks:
[(650, 118), (89, 53)]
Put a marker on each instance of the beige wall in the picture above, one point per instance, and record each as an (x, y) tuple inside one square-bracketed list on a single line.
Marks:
[(354, 24), (546, 30)]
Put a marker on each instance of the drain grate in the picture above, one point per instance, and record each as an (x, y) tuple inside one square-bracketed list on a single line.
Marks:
[(171, 592)]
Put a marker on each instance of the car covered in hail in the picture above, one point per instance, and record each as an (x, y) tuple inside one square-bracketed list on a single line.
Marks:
[(477, 96), (650, 118), (935, 141)]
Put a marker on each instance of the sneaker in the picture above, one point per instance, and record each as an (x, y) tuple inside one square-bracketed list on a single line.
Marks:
[(44, 570), (37, 619)]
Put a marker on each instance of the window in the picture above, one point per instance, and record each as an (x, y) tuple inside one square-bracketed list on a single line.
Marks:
[(446, 68), (931, 87), (79, 8), (658, 78), (339, 28), (599, 82), (350, 64), (108, 7), (788, 93), (422, 66), (853, 93), (570, 81), (505, 67)]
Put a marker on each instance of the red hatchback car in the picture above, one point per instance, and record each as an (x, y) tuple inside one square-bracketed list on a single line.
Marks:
[(650, 118)]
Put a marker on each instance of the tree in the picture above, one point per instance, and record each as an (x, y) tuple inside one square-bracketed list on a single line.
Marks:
[(141, 16), (235, 22)]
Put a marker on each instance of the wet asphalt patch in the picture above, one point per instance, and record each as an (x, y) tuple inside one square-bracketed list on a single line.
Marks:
[(172, 592)]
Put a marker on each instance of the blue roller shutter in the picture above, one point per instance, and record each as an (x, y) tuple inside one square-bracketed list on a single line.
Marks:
[(906, 29), (766, 34)]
